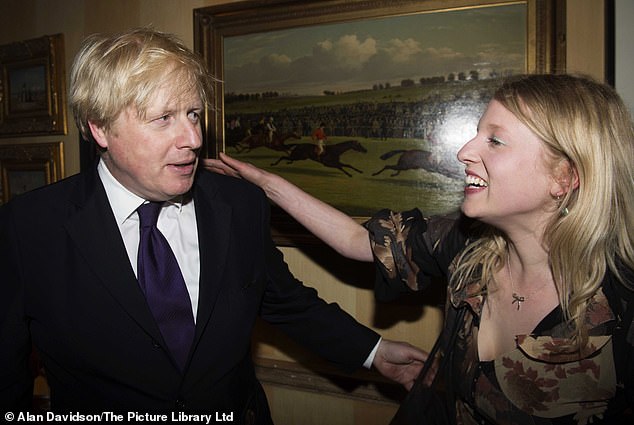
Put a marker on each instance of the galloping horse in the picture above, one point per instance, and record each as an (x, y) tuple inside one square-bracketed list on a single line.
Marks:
[(253, 141), (414, 159), (329, 158)]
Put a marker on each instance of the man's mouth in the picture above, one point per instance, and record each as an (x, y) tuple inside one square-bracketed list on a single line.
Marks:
[(184, 167), (184, 163)]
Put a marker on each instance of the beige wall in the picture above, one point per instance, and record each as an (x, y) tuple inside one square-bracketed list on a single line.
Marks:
[(24, 19), (585, 41)]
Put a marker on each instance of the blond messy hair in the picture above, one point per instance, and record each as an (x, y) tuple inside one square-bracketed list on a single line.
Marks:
[(113, 72), (585, 123)]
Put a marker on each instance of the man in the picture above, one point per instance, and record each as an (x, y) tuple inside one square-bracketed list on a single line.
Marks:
[(270, 130), (319, 136), (124, 321)]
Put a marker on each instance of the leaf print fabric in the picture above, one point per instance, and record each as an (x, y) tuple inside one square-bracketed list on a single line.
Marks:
[(533, 384)]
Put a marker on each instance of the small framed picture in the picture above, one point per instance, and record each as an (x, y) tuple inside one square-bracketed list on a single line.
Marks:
[(24, 167), (32, 87)]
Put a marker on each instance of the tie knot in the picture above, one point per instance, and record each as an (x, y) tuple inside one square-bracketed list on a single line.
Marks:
[(148, 213)]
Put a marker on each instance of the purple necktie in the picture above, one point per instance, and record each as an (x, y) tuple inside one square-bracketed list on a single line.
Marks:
[(163, 284)]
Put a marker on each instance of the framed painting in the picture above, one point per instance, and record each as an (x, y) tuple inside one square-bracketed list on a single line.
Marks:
[(27, 166), (32, 87), (364, 104)]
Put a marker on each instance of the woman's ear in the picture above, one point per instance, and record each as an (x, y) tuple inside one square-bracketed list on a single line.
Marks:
[(99, 134), (566, 178)]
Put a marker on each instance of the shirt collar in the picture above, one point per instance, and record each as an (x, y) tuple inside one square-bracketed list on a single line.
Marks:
[(123, 202)]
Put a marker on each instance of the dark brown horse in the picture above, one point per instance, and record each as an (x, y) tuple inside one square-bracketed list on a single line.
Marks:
[(329, 157), (414, 159), (253, 141)]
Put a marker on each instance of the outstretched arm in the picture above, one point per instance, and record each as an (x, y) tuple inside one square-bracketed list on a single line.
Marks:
[(332, 226)]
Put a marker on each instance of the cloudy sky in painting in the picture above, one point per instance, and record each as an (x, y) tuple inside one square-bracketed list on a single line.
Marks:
[(359, 54)]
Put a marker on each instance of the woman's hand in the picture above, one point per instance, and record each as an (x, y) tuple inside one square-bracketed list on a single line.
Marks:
[(233, 167), (330, 225), (219, 167)]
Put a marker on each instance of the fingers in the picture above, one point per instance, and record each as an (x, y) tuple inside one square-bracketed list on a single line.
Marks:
[(232, 162), (407, 374), (233, 167), (401, 362), (239, 166), (219, 167), (431, 374), (243, 169), (247, 170), (416, 354)]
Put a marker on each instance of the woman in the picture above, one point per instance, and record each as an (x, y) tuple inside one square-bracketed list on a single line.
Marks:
[(541, 254)]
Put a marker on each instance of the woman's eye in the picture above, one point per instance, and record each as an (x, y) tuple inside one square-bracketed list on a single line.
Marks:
[(495, 141)]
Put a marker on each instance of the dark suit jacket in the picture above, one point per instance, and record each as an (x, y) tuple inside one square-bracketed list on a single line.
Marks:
[(67, 284)]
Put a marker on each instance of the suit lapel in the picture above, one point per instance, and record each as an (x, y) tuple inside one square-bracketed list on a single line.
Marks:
[(94, 230), (214, 222)]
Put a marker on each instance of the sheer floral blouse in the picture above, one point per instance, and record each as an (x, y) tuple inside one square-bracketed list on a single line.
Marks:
[(531, 384)]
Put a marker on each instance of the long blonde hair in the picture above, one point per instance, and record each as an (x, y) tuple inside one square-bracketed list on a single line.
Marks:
[(587, 124)]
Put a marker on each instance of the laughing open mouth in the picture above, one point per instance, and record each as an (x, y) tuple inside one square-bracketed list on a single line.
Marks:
[(473, 181)]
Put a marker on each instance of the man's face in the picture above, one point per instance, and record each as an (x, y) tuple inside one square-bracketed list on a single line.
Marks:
[(155, 156)]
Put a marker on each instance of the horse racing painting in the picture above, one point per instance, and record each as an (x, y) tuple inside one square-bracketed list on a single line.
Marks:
[(364, 112)]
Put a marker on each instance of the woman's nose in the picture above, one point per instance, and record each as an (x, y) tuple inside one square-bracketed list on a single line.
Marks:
[(466, 153)]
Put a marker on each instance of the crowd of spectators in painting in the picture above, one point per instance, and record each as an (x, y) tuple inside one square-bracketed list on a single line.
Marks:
[(376, 120)]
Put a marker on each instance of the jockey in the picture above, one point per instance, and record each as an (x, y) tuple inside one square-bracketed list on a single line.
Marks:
[(270, 128), (319, 135)]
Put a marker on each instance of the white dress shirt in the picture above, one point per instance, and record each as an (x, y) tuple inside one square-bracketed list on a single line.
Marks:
[(177, 222)]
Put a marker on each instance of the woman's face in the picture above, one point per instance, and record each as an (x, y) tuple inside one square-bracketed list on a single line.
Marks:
[(508, 181)]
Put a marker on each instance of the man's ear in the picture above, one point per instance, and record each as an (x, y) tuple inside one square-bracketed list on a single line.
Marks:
[(99, 134)]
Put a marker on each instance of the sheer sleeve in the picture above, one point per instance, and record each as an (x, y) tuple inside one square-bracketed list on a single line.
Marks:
[(411, 251)]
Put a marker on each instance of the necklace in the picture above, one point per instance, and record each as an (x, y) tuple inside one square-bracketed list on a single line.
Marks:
[(519, 299)]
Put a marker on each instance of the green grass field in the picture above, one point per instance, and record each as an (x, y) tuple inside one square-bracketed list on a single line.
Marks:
[(363, 194)]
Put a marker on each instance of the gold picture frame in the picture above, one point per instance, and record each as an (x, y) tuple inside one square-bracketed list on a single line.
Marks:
[(217, 27), (27, 166), (33, 87)]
